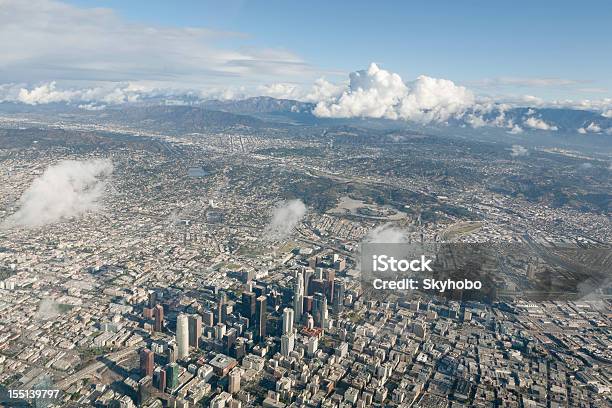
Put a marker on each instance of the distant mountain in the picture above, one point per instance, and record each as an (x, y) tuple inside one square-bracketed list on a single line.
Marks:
[(291, 111), (191, 116), (259, 104), (564, 119), (180, 119)]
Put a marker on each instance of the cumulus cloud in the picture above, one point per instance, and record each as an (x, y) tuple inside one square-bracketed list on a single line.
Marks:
[(516, 129), (285, 216), (64, 190), (387, 234), (518, 150), (45, 93), (92, 98), (378, 93), (607, 113), (539, 124), (593, 127), (323, 90)]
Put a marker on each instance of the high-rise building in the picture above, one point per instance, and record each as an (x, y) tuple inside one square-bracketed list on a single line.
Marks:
[(249, 306), (158, 312), (324, 314), (308, 275), (172, 352), (172, 375), (287, 343), (262, 318), (182, 336), (220, 304), (228, 341), (152, 298), (195, 330), (317, 307), (312, 345), (338, 296), (288, 317), (208, 318), (234, 380), (329, 284), (220, 331), (308, 301), (316, 286), (161, 381), (147, 362), (298, 297)]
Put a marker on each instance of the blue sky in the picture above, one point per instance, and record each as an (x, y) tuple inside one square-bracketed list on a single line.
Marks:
[(110, 49), (471, 42)]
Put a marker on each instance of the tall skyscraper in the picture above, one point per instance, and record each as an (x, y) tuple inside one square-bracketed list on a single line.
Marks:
[(220, 329), (182, 335), (249, 306), (317, 307), (308, 275), (298, 297), (195, 330), (161, 382), (147, 362), (338, 296), (234, 380), (208, 318), (288, 317), (324, 313), (172, 352), (172, 375), (228, 341), (158, 312), (262, 318), (220, 304), (329, 284), (287, 343), (316, 286), (152, 298)]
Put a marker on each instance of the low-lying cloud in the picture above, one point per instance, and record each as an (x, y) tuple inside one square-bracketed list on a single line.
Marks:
[(387, 234), (67, 189), (538, 124), (518, 150), (285, 216)]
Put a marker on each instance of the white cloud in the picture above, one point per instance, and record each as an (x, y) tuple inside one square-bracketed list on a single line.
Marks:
[(518, 150), (607, 114), (323, 90), (378, 93), (66, 189), (285, 216), (41, 40), (387, 234), (45, 93), (538, 124), (372, 93), (516, 129), (593, 127), (281, 91)]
